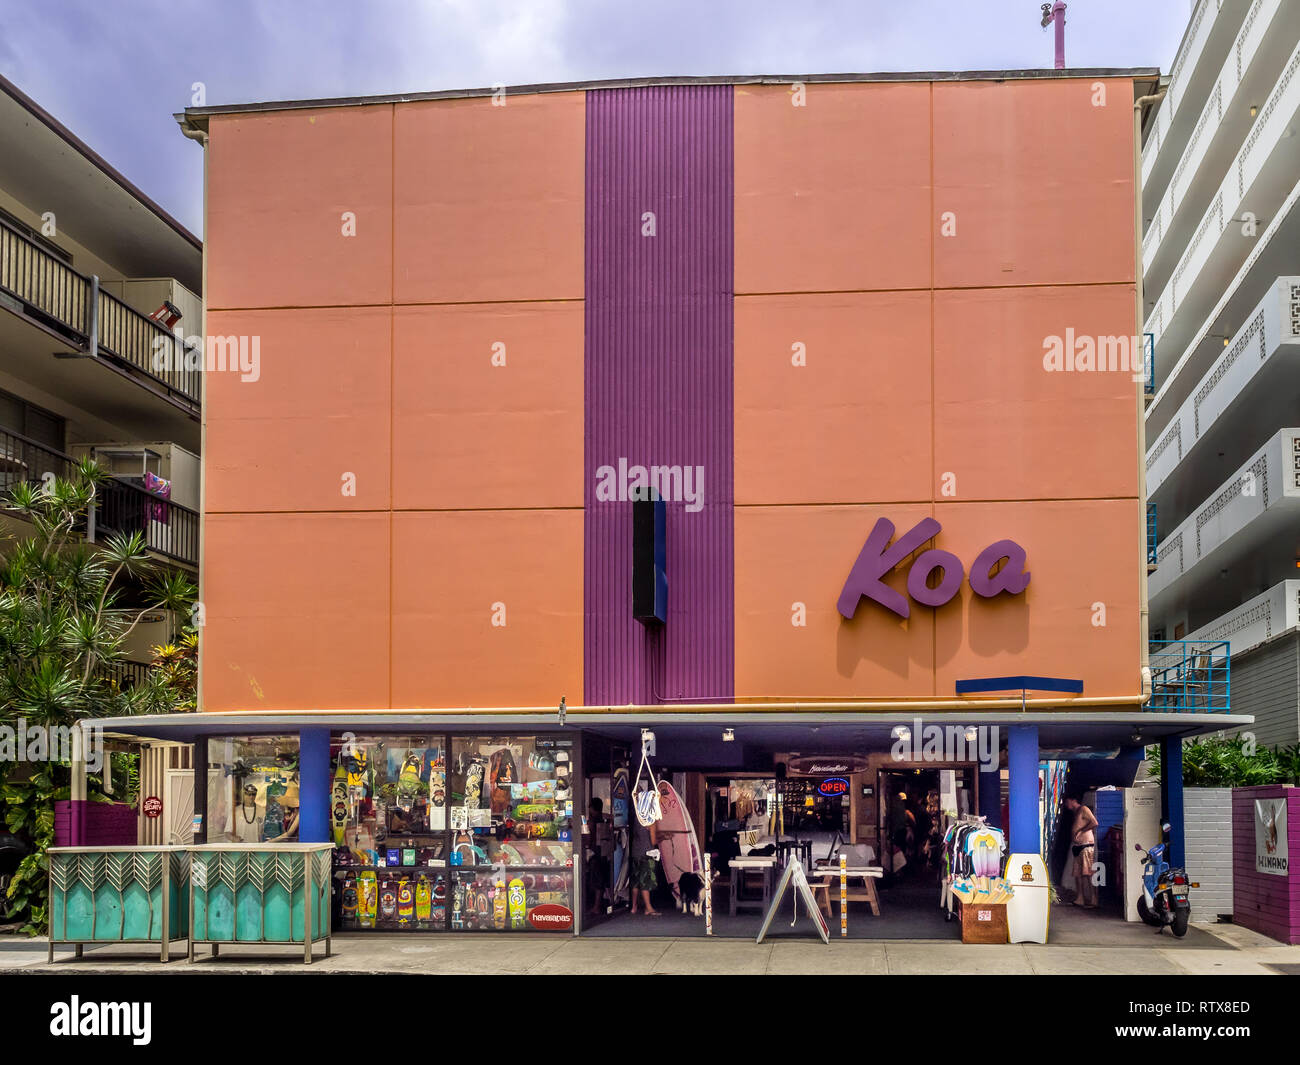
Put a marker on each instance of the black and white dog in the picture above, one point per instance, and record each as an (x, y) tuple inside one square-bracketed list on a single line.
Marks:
[(691, 893)]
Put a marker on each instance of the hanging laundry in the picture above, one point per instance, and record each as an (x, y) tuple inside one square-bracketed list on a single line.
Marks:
[(162, 488)]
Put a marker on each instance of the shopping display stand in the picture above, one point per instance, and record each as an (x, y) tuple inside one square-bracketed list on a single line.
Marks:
[(972, 866), (136, 894), (983, 922), (263, 894)]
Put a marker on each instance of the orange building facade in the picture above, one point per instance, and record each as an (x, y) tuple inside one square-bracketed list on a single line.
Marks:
[(838, 374), (412, 453)]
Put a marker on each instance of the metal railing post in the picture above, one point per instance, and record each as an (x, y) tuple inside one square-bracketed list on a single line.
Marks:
[(93, 345)]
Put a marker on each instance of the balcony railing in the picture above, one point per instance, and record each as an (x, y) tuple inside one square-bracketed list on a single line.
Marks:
[(1190, 676), (169, 529), (126, 674), (74, 306)]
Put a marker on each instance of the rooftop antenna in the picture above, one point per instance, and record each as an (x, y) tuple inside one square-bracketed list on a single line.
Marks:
[(1056, 13)]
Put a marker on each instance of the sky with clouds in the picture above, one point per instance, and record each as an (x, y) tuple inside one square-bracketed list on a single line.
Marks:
[(114, 71)]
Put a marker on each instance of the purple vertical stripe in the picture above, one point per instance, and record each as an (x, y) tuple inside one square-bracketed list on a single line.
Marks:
[(659, 383)]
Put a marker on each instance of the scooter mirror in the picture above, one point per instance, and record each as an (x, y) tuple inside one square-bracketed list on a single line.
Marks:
[(1137, 846)]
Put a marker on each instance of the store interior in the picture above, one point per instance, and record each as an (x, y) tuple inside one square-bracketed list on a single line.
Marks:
[(888, 822)]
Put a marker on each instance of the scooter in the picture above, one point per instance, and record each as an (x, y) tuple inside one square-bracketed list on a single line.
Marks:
[(1164, 898)]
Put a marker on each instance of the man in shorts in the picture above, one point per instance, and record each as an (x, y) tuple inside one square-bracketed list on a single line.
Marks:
[(644, 877), (1083, 848)]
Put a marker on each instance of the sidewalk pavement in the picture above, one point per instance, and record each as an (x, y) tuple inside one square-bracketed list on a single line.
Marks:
[(1115, 949)]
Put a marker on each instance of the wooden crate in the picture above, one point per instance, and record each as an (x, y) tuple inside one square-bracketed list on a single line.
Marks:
[(984, 922)]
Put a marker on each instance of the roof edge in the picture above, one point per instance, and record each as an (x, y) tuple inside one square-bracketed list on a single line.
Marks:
[(193, 117), (95, 159)]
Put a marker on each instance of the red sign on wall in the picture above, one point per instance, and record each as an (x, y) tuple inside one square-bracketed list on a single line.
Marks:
[(152, 806), (551, 918)]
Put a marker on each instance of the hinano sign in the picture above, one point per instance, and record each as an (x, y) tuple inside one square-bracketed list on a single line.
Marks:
[(1000, 567)]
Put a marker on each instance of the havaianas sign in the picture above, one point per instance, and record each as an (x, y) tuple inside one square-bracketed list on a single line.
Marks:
[(878, 558)]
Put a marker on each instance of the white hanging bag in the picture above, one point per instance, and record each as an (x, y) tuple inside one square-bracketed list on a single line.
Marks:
[(646, 801)]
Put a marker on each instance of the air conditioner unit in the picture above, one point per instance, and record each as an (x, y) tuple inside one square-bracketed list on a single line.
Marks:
[(163, 459)]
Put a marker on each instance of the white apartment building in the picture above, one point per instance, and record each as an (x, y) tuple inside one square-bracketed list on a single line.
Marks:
[(1220, 210), (93, 276)]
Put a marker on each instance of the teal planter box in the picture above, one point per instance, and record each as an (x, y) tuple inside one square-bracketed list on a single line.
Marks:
[(118, 895), (270, 893)]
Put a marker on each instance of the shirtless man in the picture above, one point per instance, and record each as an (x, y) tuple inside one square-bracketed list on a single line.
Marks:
[(1083, 847)]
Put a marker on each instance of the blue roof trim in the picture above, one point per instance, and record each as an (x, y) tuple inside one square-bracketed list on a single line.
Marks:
[(1004, 684)]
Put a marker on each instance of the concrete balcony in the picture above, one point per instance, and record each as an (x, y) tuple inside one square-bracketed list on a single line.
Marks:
[(1249, 391), (1210, 32), (1257, 620), (1240, 537), (1273, 257), (170, 530), (1256, 187), (57, 307), (1257, 56)]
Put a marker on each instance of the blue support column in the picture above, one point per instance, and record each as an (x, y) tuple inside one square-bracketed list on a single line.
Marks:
[(991, 796), (1022, 767), (314, 785), (1171, 795)]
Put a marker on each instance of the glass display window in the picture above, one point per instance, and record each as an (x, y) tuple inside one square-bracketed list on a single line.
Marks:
[(253, 789), (388, 821), (432, 832)]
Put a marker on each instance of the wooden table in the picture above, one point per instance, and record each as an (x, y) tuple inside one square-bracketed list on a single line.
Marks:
[(739, 867), (830, 874)]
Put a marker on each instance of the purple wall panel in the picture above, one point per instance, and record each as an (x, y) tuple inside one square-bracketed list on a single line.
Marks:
[(659, 383), (1264, 903), (97, 824)]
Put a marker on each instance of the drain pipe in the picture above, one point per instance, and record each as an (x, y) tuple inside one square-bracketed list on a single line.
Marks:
[(1144, 610)]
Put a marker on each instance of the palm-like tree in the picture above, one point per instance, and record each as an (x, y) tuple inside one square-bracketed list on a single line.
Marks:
[(67, 609)]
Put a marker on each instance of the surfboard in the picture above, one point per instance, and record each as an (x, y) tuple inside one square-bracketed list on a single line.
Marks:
[(339, 803), (679, 849), (517, 904), (368, 908)]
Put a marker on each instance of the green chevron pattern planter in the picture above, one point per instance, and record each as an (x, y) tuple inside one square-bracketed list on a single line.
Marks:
[(118, 895), (260, 893)]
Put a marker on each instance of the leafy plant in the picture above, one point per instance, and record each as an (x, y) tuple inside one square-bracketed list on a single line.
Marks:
[(1231, 762), (67, 609)]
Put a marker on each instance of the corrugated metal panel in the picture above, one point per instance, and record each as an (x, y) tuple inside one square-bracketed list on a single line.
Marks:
[(1207, 826), (659, 382), (1266, 684)]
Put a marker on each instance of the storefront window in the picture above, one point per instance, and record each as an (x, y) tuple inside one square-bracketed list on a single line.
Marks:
[(253, 789), (511, 818), (477, 840), (388, 817)]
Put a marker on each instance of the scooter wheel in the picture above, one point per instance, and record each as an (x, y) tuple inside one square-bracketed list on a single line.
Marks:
[(1180, 922), (1147, 916)]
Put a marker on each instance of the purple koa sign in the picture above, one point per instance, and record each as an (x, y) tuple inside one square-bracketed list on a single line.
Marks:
[(879, 557)]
